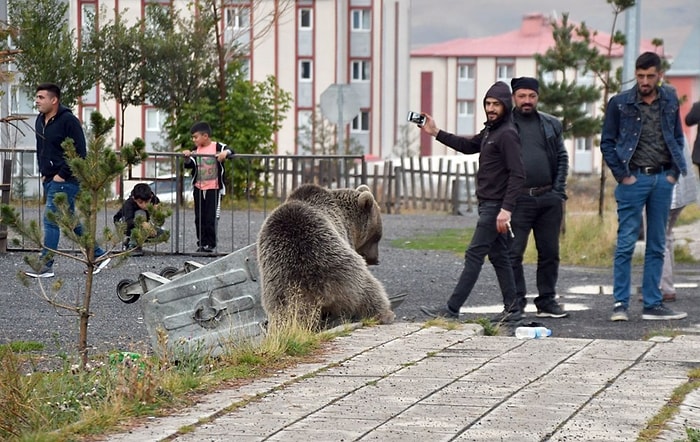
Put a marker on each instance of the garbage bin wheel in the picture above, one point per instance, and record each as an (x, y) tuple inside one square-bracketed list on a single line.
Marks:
[(168, 272), (122, 293)]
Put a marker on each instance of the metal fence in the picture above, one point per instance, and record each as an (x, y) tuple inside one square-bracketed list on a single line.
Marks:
[(255, 185)]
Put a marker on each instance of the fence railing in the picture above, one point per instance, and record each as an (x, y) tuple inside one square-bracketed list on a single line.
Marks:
[(259, 183)]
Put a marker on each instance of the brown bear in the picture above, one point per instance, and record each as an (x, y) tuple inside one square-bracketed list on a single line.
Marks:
[(313, 252)]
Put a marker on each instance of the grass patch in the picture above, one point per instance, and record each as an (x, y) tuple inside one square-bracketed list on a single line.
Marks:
[(22, 346), (64, 404), (490, 329), (658, 423), (451, 240)]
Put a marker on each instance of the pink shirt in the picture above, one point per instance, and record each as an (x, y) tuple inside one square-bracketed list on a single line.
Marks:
[(207, 168)]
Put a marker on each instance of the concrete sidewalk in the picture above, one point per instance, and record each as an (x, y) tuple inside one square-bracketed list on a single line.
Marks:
[(403, 382)]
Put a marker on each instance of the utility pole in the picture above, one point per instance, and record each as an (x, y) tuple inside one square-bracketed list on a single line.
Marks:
[(632, 21)]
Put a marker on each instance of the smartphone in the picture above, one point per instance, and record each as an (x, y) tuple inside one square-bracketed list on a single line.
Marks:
[(416, 117)]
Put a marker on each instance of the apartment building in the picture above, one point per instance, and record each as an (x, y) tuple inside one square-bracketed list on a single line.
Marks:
[(362, 45)]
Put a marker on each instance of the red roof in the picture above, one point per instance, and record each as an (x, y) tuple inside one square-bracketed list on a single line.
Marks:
[(533, 37)]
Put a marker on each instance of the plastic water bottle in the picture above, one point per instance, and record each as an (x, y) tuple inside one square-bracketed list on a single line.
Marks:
[(532, 332)]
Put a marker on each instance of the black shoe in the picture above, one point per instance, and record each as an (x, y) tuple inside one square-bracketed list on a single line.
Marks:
[(439, 312), (661, 313), (506, 316), (551, 310), (137, 251), (208, 249)]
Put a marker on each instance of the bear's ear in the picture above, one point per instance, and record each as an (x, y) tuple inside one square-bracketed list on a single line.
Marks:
[(366, 201), (363, 188)]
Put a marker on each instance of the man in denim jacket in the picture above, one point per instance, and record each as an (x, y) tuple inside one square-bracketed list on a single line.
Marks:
[(642, 144)]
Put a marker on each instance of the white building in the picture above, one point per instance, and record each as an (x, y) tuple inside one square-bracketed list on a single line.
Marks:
[(314, 44)]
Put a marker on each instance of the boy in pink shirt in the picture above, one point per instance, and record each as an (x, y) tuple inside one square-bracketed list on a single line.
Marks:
[(207, 181)]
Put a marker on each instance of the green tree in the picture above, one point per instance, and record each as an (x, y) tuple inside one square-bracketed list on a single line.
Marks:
[(95, 174), (118, 54), (180, 62), (246, 120), (565, 97), (49, 52)]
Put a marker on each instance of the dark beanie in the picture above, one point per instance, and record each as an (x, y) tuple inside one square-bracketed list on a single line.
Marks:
[(525, 83)]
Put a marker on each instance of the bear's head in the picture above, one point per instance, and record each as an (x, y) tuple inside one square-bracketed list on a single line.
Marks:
[(366, 228), (354, 213)]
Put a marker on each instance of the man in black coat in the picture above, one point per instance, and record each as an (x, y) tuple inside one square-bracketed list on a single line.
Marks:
[(499, 181)]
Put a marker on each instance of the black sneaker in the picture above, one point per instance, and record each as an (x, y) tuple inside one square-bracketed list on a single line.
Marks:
[(506, 316), (439, 312), (137, 251), (619, 312), (44, 272), (551, 310), (661, 313)]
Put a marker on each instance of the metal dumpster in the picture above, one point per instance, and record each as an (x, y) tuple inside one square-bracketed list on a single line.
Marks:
[(200, 308)]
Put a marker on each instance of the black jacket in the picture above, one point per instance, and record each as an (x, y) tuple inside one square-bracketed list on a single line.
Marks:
[(691, 118), (49, 136), (127, 213), (501, 174), (556, 151)]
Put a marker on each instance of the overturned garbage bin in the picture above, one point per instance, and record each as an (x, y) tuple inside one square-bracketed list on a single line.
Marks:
[(200, 308)]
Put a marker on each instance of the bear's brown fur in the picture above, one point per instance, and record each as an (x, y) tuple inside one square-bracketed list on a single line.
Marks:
[(313, 252)]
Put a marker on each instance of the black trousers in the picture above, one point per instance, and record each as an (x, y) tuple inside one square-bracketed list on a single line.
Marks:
[(205, 205), (485, 241), (542, 215)]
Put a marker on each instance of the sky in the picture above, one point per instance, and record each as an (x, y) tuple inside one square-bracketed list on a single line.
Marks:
[(434, 21)]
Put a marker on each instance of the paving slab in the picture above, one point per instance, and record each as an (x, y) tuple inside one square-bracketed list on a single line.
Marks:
[(406, 382)]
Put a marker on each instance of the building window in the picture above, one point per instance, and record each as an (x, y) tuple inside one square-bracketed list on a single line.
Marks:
[(360, 70), (584, 77), (238, 18), (361, 122), (465, 72), (20, 101), (549, 77), (87, 111), (305, 18), (583, 144), (305, 71), (505, 70), (155, 120), (162, 6), (588, 109), (361, 20), (87, 17), (465, 108)]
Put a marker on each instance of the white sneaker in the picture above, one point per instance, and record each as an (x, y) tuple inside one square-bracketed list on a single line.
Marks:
[(101, 266), (45, 272)]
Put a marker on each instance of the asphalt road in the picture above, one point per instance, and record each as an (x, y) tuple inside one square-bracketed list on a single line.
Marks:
[(428, 278)]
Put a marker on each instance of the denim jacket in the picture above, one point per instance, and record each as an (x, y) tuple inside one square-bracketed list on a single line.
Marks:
[(622, 127)]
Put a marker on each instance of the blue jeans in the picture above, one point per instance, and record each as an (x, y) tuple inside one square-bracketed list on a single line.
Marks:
[(52, 233), (486, 241), (652, 192)]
